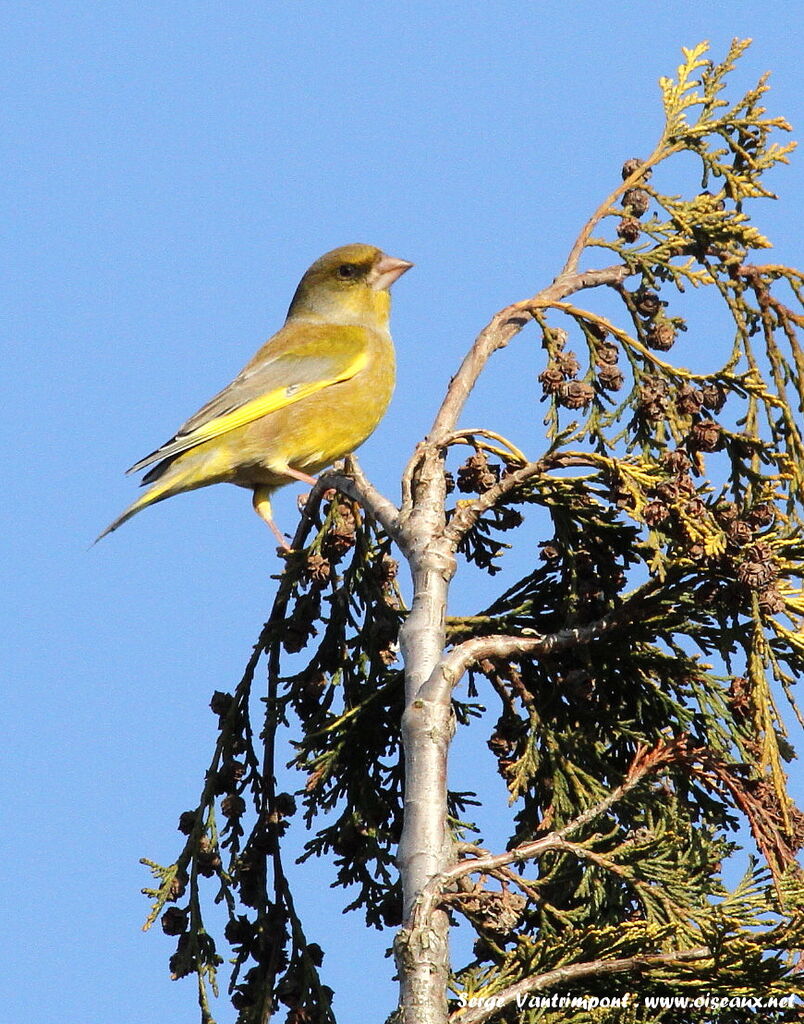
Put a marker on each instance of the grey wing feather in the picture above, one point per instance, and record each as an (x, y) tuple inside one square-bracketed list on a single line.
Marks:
[(287, 371)]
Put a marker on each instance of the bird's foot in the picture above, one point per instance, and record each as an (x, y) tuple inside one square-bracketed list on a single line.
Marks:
[(261, 501)]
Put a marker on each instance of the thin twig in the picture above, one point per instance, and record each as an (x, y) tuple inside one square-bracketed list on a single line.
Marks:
[(661, 152), (353, 482), (468, 513), (645, 761), (502, 327)]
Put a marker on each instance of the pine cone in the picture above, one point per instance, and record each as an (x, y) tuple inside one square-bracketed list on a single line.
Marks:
[(598, 331), (695, 509), (739, 533), (174, 920), (557, 338), (647, 302), (761, 515), (389, 568), (187, 820), (239, 931), (661, 335), (757, 570), (629, 229), (636, 201), (676, 461), (607, 353), (551, 379), (726, 512), (317, 568), (611, 378), (771, 601), (632, 164), (689, 400), (655, 513), (285, 805), (220, 702), (576, 394), (475, 475), (233, 806), (312, 686), (714, 396), (568, 364), (706, 436)]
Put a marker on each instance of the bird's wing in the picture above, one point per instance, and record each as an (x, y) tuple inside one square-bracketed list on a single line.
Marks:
[(300, 360)]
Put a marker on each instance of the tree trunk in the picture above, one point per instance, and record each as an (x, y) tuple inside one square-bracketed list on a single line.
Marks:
[(426, 848)]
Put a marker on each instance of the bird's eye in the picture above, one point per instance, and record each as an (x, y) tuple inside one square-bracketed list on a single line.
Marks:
[(347, 270)]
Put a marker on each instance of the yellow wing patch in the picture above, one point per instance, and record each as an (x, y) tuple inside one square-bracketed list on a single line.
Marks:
[(279, 398), (271, 401)]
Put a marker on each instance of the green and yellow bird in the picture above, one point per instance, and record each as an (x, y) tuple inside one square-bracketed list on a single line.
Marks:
[(313, 393)]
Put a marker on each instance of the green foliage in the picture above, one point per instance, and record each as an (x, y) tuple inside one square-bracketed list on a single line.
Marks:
[(644, 731)]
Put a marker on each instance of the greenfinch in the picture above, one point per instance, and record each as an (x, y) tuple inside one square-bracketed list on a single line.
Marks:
[(313, 393)]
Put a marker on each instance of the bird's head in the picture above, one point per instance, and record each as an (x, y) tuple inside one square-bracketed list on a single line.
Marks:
[(349, 285)]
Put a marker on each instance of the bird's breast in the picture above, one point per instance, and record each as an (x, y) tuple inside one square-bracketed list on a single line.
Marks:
[(318, 430)]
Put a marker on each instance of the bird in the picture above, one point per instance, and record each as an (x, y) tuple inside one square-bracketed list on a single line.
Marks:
[(311, 395)]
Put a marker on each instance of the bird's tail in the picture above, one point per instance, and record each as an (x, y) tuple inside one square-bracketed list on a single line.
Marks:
[(175, 480)]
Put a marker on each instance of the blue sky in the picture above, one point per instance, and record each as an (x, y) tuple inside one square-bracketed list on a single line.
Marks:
[(171, 170)]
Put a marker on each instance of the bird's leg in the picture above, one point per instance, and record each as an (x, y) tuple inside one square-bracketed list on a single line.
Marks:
[(261, 500), (298, 475)]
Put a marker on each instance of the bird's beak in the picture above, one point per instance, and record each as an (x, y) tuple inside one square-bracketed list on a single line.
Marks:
[(385, 271)]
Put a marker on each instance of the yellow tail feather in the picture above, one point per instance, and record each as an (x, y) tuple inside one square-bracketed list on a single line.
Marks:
[(173, 483)]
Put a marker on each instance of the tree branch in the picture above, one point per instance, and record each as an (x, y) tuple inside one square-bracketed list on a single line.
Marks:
[(450, 669), (501, 329), (448, 672), (433, 893), (645, 761), (352, 481), (468, 513), (661, 152)]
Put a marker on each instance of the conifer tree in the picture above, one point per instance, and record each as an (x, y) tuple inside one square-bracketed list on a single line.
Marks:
[(635, 673)]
